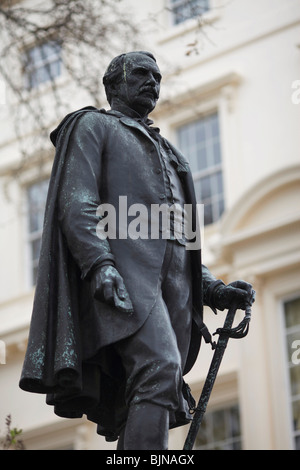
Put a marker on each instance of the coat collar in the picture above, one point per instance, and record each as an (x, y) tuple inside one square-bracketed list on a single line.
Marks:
[(144, 127), (132, 119)]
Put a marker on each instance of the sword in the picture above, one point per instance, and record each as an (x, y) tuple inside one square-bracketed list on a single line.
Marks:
[(224, 334)]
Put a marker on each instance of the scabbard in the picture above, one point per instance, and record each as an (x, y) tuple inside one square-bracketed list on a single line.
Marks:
[(210, 379)]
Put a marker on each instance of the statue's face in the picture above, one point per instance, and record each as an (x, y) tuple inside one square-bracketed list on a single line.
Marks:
[(140, 86)]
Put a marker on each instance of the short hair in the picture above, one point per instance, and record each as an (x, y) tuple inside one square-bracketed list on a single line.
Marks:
[(114, 72)]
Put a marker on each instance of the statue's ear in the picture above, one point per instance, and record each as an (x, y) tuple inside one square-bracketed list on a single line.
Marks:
[(115, 87)]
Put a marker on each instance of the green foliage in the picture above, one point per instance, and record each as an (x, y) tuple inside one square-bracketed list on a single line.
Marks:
[(11, 440)]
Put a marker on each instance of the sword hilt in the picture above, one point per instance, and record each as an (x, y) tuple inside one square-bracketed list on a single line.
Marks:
[(239, 331)]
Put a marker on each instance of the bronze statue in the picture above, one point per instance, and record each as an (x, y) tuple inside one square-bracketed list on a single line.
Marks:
[(117, 316)]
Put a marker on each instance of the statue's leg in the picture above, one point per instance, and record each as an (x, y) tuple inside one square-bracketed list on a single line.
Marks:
[(154, 356), (176, 286), (152, 365), (147, 427)]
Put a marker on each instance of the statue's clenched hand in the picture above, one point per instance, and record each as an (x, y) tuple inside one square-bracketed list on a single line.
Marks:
[(239, 292), (108, 286)]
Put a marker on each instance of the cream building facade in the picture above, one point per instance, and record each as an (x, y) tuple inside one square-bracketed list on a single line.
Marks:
[(230, 100)]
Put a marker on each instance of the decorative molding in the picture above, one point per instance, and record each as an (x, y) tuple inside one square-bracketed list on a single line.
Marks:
[(228, 92), (253, 196), (219, 85)]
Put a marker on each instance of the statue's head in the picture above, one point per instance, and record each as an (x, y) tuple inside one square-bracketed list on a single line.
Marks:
[(134, 79)]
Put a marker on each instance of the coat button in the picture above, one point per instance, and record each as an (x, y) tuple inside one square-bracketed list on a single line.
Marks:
[(162, 196), (157, 171)]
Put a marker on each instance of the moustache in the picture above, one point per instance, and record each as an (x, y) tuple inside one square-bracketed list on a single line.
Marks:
[(150, 90)]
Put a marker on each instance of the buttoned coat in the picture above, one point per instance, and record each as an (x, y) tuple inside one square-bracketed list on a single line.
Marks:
[(101, 155)]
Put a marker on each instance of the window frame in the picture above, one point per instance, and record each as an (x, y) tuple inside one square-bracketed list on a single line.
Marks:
[(213, 198), (32, 68), (209, 417), (34, 235), (172, 4), (287, 364)]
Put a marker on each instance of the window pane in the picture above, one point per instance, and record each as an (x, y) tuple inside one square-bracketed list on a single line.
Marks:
[(36, 200), (37, 194), (219, 425), (204, 433), (291, 343), (220, 208), (208, 214), (200, 131), (219, 182), (198, 190), (292, 313), (201, 159), (185, 9), (292, 333), (214, 125), (216, 152), (235, 429), (34, 273), (220, 430), (295, 380), (45, 73), (35, 249), (296, 415), (55, 69), (199, 141), (205, 184), (42, 63)]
